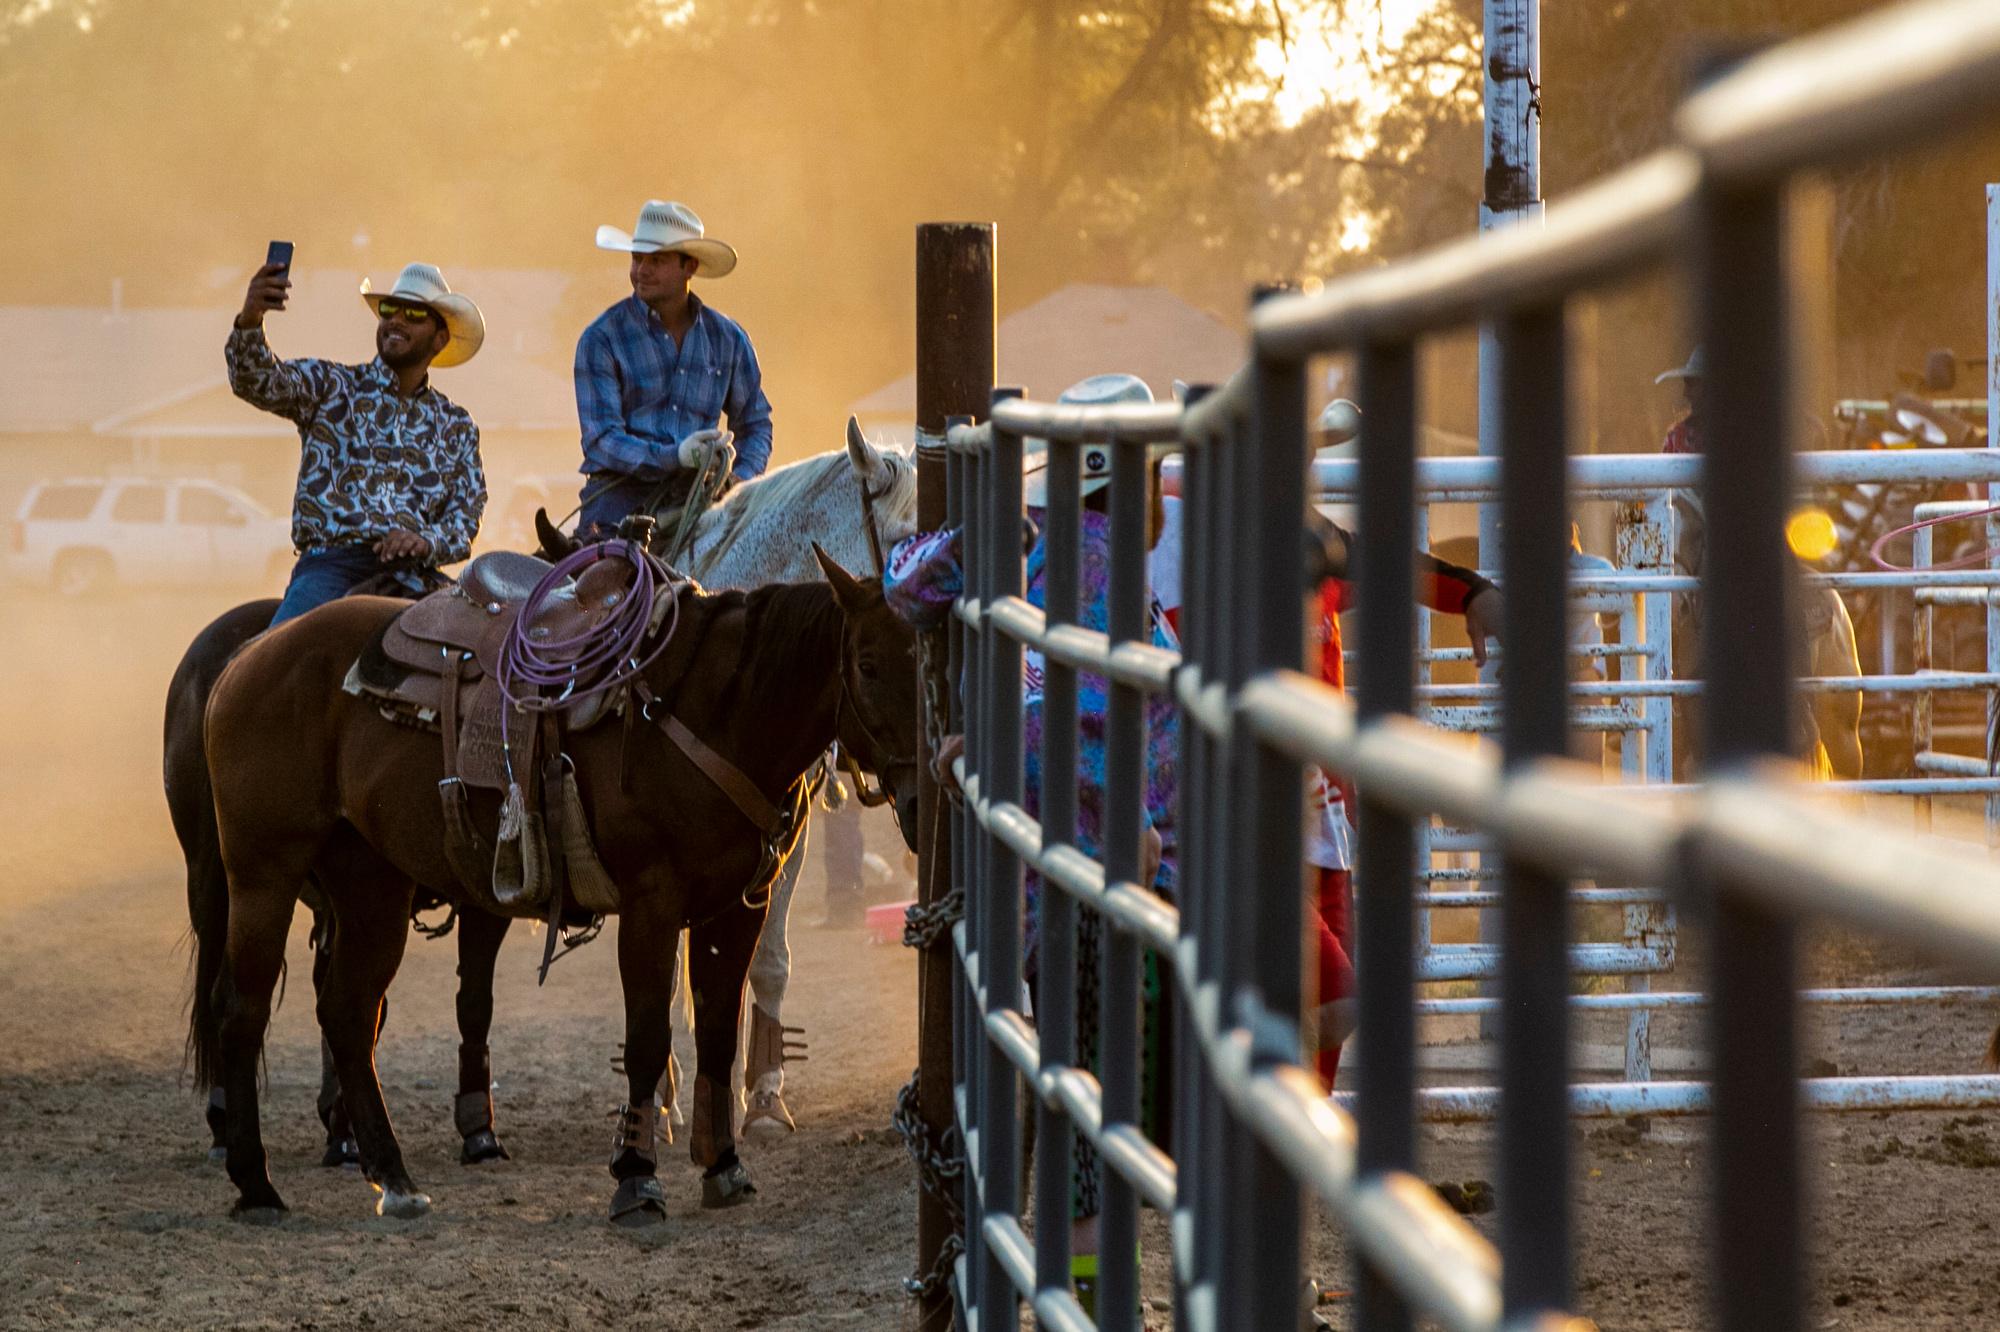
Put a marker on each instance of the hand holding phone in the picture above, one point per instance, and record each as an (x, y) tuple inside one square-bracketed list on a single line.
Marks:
[(269, 286)]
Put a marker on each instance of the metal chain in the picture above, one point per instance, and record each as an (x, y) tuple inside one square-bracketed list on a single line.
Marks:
[(940, 1157), (940, 1162), (925, 925)]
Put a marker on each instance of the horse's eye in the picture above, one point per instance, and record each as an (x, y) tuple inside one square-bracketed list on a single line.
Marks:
[(867, 669)]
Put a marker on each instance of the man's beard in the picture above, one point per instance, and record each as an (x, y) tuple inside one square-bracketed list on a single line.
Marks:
[(412, 355)]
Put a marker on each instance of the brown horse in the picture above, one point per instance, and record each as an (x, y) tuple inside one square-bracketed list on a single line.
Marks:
[(313, 782), (192, 806)]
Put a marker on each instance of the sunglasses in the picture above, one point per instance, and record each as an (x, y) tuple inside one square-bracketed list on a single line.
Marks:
[(413, 314)]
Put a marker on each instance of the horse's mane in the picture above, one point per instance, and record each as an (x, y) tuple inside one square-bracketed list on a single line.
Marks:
[(790, 624), (791, 485)]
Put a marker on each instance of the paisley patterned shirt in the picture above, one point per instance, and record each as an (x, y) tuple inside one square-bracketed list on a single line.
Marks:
[(372, 460)]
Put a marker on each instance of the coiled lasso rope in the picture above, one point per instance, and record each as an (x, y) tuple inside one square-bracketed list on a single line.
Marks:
[(556, 672)]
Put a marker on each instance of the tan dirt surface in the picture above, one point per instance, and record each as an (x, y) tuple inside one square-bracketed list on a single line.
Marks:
[(117, 1219)]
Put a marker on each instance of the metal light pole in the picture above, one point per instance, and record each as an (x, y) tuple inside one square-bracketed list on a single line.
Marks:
[(1512, 192)]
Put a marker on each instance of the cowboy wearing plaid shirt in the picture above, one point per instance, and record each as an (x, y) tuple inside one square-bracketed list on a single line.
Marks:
[(656, 372)]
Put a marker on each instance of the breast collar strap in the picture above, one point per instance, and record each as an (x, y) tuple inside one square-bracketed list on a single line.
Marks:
[(728, 778)]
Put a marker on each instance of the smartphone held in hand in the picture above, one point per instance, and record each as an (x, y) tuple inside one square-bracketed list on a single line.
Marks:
[(279, 254)]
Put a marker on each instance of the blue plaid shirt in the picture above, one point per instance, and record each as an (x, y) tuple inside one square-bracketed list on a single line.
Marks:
[(638, 395)]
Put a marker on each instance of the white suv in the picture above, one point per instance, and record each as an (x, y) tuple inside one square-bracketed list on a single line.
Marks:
[(87, 535)]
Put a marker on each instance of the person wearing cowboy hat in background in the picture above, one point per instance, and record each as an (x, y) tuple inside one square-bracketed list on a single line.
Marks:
[(389, 474), (656, 372), (1683, 435)]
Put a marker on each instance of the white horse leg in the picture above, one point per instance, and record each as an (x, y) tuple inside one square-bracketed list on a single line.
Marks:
[(765, 1114)]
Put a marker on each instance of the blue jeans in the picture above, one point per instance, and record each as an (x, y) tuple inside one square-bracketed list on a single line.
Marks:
[(323, 574), (608, 499)]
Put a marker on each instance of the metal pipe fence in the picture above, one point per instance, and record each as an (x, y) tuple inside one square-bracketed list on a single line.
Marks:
[(1253, 1135)]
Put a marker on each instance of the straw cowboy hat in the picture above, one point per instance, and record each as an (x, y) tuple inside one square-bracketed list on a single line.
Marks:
[(671, 228), (422, 284), (1096, 391), (1696, 368)]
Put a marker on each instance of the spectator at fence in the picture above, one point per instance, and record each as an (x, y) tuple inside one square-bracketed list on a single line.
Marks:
[(1329, 843), (924, 577)]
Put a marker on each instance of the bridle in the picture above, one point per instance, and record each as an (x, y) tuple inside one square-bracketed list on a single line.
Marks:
[(870, 526), (845, 756)]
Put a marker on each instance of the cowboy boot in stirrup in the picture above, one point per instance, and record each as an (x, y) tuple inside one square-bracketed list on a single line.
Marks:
[(764, 1070)]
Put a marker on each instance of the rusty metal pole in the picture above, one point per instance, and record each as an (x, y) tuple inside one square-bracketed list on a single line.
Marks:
[(955, 373)]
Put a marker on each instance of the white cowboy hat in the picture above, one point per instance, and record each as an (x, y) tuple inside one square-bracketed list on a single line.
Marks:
[(422, 284), (1696, 367), (1096, 391), (671, 228), (1340, 419)]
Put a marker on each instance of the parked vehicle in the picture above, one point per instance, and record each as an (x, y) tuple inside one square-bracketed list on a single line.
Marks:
[(90, 534)]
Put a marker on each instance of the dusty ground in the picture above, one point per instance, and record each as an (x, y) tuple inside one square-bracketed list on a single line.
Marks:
[(117, 1218)]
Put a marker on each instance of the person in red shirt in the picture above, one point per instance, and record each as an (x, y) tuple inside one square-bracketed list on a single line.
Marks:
[(1442, 586)]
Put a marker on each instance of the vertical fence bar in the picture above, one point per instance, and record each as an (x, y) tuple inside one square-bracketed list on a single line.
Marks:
[(1000, 909), (959, 843), (978, 844), (1194, 1088), (1271, 896), (1992, 523), (1384, 686), (1120, 993), (1746, 483), (1055, 986), (1212, 809), (1534, 724)]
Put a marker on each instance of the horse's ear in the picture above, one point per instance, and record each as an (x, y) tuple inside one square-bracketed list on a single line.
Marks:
[(867, 462), (847, 590), (555, 546)]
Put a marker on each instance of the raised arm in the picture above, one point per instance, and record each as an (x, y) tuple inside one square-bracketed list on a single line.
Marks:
[(291, 389)]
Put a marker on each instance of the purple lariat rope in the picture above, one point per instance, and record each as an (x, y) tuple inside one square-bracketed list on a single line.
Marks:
[(603, 657)]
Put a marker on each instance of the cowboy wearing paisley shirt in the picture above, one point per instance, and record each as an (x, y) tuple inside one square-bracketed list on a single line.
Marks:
[(389, 473)]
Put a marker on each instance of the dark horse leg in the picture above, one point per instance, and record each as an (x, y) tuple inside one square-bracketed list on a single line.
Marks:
[(719, 953), (341, 1149), (260, 916), (479, 936), (371, 905), (647, 936)]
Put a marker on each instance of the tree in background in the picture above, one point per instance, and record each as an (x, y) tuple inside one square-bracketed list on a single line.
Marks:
[(1190, 143)]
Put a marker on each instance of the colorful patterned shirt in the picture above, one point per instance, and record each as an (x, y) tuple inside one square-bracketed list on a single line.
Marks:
[(924, 578), (372, 460), (639, 394)]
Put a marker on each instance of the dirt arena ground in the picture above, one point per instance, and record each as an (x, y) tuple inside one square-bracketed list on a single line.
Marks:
[(117, 1219)]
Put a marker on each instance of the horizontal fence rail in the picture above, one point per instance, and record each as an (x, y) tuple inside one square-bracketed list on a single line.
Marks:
[(1250, 1133)]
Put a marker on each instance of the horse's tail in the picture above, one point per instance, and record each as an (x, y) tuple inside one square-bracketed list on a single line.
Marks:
[(191, 802), (208, 914)]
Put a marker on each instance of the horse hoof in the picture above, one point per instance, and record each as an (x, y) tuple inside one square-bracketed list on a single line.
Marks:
[(218, 1155), (262, 1213), (482, 1147), (728, 1187), (342, 1153), (766, 1119), (403, 1206), (639, 1202)]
